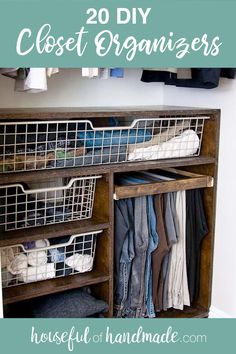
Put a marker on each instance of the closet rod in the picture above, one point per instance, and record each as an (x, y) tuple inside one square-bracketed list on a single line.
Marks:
[(139, 190)]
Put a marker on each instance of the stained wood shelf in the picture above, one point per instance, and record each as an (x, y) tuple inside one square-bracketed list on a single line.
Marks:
[(32, 290), (102, 276), (10, 238), (100, 112), (29, 176)]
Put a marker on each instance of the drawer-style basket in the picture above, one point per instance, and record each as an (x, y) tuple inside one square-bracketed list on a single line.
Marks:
[(22, 208), (47, 259), (28, 146)]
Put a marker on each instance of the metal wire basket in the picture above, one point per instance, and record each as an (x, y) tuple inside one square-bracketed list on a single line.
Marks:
[(30, 262), (22, 208), (29, 146)]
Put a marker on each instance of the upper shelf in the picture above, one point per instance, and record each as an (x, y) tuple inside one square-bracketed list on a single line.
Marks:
[(88, 112)]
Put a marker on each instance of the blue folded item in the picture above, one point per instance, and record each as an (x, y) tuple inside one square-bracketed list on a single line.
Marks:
[(117, 72), (57, 255), (124, 180), (107, 138)]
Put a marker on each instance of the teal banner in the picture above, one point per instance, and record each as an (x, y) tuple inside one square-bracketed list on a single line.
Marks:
[(124, 33), (118, 336)]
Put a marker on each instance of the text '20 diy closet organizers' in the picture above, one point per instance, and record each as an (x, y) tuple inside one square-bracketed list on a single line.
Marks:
[(124, 199)]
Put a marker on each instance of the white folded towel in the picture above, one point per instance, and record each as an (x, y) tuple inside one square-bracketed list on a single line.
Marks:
[(183, 145), (18, 264), (80, 262), (37, 258), (43, 272)]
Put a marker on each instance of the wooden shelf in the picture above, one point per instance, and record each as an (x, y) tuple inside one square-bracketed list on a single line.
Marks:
[(32, 290), (100, 112), (62, 229), (29, 176), (189, 312), (102, 276)]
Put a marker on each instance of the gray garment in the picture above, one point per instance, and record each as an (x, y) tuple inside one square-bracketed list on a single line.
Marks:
[(15, 73), (136, 298), (97, 156), (76, 303), (171, 231), (178, 294), (123, 226), (10, 72), (185, 74)]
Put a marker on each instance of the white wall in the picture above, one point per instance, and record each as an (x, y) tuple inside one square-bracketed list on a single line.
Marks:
[(69, 89), (224, 277)]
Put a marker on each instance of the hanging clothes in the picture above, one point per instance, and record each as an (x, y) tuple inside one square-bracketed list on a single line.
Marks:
[(117, 72), (157, 248), (90, 72), (196, 230), (171, 232), (161, 251), (36, 80), (206, 78), (152, 246), (136, 297), (124, 252)]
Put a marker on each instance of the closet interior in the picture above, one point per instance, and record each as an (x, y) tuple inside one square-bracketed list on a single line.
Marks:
[(62, 171)]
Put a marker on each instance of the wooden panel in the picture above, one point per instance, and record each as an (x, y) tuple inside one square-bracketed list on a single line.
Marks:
[(137, 190), (28, 291), (99, 112), (101, 201), (210, 141), (102, 259), (32, 234), (6, 178)]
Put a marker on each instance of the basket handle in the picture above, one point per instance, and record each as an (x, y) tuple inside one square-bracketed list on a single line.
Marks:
[(55, 246), (135, 121), (51, 189)]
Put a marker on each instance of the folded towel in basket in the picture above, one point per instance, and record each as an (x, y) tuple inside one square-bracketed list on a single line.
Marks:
[(18, 264), (37, 258), (80, 262), (186, 144), (43, 272), (7, 256)]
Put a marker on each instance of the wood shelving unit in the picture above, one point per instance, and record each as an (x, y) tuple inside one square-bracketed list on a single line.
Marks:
[(198, 172)]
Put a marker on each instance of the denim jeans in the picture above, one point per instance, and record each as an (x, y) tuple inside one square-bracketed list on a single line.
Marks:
[(124, 251), (136, 297), (153, 243)]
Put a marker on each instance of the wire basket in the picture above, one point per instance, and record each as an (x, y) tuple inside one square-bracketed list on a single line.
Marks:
[(29, 146), (22, 208), (30, 262)]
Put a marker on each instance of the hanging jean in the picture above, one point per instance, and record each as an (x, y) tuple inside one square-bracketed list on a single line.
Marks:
[(124, 251), (153, 243), (136, 297)]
